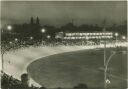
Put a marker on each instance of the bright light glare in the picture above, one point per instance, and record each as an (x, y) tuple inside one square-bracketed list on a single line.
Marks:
[(16, 39), (9, 27), (31, 38), (48, 36), (116, 34), (123, 37), (43, 30), (10, 42)]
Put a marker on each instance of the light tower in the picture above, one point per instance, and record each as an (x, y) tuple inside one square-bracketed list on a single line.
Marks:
[(105, 76), (9, 27)]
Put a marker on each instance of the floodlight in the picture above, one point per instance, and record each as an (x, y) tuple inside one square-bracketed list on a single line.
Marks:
[(116, 34), (9, 27), (43, 30), (123, 37)]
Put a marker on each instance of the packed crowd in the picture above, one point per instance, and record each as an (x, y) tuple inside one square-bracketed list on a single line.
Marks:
[(19, 44), (9, 82)]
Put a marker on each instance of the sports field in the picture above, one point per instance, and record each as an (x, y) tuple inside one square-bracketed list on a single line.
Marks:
[(16, 62), (84, 66)]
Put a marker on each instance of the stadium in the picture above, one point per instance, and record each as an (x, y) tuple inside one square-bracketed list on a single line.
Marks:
[(70, 65), (96, 59), (64, 45)]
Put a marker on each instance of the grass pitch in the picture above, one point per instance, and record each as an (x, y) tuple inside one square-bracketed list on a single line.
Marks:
[(85, 66)]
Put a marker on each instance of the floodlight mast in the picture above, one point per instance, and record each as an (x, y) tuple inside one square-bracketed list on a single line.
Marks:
[(106, 61), (105, 76), (105, 72)]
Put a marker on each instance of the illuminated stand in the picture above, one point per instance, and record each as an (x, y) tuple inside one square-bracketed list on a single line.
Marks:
[(94, 35)]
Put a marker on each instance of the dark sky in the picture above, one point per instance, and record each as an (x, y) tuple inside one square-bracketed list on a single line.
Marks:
[(62, 12)]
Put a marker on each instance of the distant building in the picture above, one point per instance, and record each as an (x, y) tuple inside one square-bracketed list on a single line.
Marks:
[(37, 21), (31, 21)]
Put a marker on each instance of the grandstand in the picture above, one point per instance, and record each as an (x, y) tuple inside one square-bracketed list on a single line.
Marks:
[(85, 35)]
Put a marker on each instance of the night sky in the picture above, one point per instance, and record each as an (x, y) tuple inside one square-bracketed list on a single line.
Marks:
[(61, 12)]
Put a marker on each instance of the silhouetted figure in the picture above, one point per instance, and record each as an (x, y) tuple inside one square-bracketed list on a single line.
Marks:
[(25, 80)]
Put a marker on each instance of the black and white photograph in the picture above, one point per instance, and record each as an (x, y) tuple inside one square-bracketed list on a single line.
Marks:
[(63, 45)]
